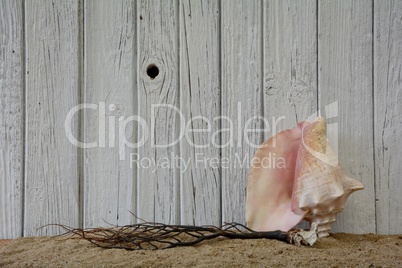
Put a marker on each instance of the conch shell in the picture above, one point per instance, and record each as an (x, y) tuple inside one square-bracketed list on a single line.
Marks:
[(306, 181)]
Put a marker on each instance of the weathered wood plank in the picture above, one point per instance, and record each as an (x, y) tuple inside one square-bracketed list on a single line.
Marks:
[(158, 185), (290, 63), (110, 181), (11, 118), (200, 105), (388, 115), (52, 82), (241, 100), (345, 75)]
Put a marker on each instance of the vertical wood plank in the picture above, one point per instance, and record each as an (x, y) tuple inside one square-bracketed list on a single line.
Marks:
[(158, 185), (241, 100), (388, 114), (11, 118), (52, 82), (200, 104), (290, 62), (345, 75), (110, 181)]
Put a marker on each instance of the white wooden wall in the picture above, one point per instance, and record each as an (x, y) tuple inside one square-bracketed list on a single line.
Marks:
[(273, 58)]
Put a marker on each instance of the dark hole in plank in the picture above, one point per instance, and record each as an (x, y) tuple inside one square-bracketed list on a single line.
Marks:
[(152, 71)]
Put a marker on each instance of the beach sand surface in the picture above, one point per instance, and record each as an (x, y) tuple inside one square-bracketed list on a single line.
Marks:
[(338, 250)]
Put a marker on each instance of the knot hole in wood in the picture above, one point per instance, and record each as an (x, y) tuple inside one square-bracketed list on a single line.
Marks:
[(152, 71)]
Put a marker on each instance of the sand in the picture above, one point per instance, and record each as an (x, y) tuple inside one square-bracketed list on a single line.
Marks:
[(338, 250)]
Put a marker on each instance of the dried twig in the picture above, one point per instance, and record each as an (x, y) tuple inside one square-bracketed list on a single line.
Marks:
[(161, 236)]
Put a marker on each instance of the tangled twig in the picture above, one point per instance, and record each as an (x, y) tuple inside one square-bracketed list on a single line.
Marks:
[(162, 236)]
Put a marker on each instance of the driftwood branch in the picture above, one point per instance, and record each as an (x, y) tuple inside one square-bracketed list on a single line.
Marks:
[(162, 236)]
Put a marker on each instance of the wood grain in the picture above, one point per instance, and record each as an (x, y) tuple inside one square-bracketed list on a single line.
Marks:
[(200, 104), (11, 118), (110, 50), (241, 33), (239, 59), (345, 75), (388, 115), (158, 177), (290, 64), (52, 89)]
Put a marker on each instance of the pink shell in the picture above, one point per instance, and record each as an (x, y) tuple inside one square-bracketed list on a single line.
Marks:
[(309, 184)]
